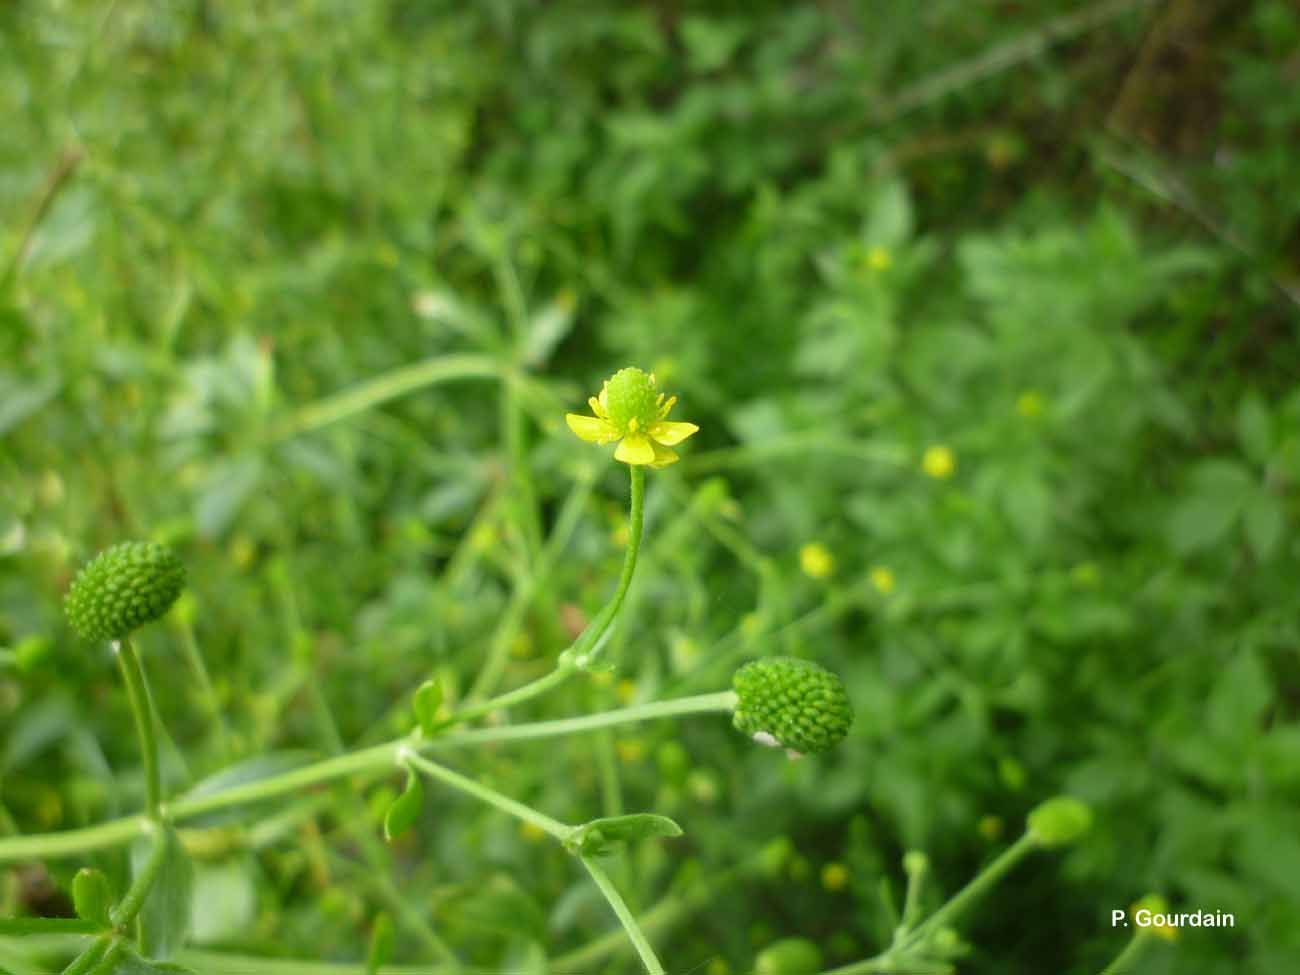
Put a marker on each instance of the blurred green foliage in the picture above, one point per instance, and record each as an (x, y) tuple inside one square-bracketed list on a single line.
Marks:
[(843, 233)]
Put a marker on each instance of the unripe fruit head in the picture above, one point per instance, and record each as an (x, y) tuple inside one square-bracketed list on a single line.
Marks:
[(789, 956), (795, 703), (631, 395), (123, 588), (1059, 821)]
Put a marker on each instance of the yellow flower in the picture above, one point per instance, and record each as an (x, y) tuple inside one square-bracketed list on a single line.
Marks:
[(939, 461), (835, 876), (816, 561), (990, 827), (879, 259), (882, 577), (1153, 920), (631, 410), (1030, 403)]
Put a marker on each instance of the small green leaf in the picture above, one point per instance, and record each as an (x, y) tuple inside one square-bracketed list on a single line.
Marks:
[(405, 809), (165, 918), (1254, 428), (382, 936), (599, 836), (1220, 492), (547, 329), (427, 700), (92, 896), (1265, 521)]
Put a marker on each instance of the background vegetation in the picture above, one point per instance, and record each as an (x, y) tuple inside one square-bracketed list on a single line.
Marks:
[(1059, 240)]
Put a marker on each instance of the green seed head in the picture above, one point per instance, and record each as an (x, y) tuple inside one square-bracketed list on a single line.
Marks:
[(794, 703), (1059, 821), (789, 956), (123, 588), (631, 394)]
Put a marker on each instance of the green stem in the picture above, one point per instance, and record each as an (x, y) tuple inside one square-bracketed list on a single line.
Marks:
[(696, 704), (583, 646), (527, 590), (1122, 964), (381, 389), (964, 898), (522, 494), (108, 963), (91, 956), (379, 758), (133, 674), (977, 888), (912, 898), (634, 933), (528, 814), (130, 905), (581, 651), (58, 179), (207, 692)]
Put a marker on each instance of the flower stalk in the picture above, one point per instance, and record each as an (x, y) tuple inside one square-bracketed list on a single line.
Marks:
[(137, 693)]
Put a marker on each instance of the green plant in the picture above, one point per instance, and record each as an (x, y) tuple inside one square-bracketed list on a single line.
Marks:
[(779, 700), (987, 316)]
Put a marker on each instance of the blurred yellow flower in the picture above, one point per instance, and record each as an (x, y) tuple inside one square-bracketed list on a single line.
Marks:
[(835, 876), (816, 561), (1085, 575), (939, 461), (990, 827), (1029, 404), (1153, 906), (882, 578), (531, 832), (631, 410), (879, 259), (630, 750)]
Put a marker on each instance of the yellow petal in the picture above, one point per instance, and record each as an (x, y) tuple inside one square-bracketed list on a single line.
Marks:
[(591, 428), (663, 456), (635, 449), (669, 432)]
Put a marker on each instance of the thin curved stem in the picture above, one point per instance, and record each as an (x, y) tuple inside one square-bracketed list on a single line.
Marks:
[(133, 675), (581, 652), (1123, 963), (382, 388), (584, 646), (640, 942)]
